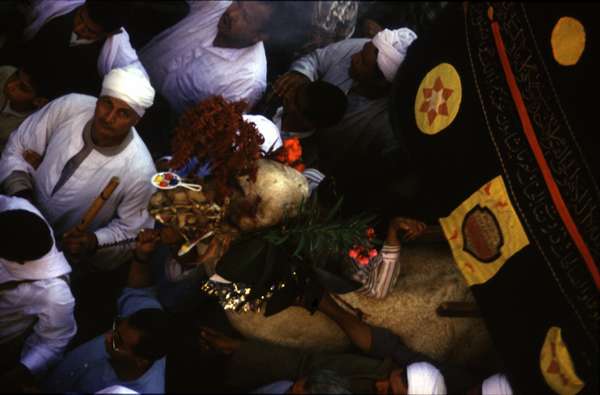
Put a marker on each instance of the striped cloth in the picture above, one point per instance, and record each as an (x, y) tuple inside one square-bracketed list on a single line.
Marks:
[(380, 275), (314, 178)]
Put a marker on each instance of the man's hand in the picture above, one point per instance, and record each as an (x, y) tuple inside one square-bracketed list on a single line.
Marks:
[(79, 244), (411, 228), (287, 84), (211, 339), (147, 240), (217, 247), (33, 158), (371, 28)]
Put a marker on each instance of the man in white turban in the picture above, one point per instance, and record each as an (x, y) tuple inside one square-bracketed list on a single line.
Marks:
[(391, 45), (36, 304), (424, 379), (496, 385), (362, 144), (63, 156)]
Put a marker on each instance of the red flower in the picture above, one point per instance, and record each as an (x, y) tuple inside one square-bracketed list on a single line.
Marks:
[(353, 254), (363, 260), (372, 253)]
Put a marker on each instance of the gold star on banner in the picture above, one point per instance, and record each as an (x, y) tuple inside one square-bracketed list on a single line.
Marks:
[(438, 99)]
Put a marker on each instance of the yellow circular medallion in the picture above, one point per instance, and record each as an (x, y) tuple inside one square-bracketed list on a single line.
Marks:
[(568, 41), (438, 99), (557, 366)]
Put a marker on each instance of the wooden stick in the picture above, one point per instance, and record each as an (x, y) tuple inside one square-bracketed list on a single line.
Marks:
[(96, 206)]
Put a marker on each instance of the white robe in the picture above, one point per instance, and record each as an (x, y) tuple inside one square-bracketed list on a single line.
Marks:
[(56, 132), (116, 52), (186, 68), (46, 303)]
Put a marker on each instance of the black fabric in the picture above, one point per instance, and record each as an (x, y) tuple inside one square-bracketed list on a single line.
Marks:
[(547, 283), (149, 18), (62, 68)]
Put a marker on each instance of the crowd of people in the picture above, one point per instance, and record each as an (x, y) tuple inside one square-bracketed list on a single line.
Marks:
[(148, 149)]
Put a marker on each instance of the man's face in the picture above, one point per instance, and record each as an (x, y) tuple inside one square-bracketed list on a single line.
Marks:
[(121, 340), (395, 384), (363, 66), (85, 27), (242, 23), (292, 119), (113, 119), (18, 88)]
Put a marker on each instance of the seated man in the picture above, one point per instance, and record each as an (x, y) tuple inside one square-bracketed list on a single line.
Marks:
[(36, 304), (216, 50), (19, 97), (82, 142), (362, 144), (73, 44), (131, 354), (381, 343), (251, 366)]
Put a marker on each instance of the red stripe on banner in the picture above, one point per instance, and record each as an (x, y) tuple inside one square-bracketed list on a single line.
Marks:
[(557, 198)]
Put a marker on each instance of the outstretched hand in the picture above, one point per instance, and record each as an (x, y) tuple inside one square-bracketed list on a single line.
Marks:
[(410, 227), (212, 339), (146, 243), (287, 84)]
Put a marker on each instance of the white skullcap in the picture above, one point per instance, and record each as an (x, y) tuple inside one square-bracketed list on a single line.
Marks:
[(117, 389), (496, 385), (267, 129), (425, 379), (392, 46), (130, 85)]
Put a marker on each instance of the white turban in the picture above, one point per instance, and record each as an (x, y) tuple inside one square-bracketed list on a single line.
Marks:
[(131, 85), (496, 385), (117, 389), (267, 129), (392, 46), (424, 378)]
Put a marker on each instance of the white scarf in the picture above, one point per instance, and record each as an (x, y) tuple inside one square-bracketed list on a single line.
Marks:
[(53, 264)]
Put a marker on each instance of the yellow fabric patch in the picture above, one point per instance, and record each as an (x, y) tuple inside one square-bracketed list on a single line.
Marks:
[(557, 366), (438, 99), (484, 232), (568, 41)]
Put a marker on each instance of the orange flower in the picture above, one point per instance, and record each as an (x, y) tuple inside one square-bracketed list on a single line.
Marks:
[(293, 149)]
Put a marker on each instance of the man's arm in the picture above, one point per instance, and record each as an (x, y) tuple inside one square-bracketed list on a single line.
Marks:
[(33, 135), (131, 215), (53, 330)]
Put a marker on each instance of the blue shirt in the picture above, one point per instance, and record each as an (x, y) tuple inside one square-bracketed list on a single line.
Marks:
[(87, 368)]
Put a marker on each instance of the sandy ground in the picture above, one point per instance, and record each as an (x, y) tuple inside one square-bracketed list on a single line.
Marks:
[(428, 277)]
